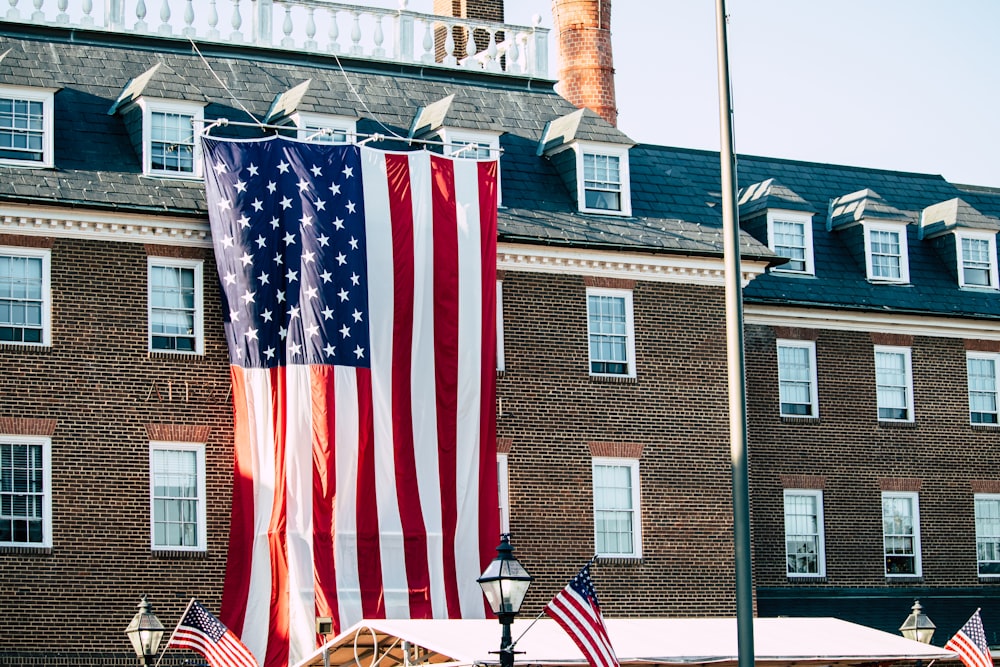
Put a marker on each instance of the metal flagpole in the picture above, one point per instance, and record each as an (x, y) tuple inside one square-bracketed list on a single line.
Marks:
[(735, 353)]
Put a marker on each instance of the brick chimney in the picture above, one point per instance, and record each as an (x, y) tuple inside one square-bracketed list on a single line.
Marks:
[(586, 68), (484, 10)]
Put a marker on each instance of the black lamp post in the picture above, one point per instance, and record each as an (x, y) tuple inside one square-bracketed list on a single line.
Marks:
[(917, 626), (145, 632), (505, 583)]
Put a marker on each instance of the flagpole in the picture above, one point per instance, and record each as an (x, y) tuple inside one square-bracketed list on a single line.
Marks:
[(171, 638), (542, 612), (735, 353)]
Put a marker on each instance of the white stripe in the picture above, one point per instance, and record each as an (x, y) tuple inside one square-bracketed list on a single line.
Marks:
[(256, 622), (380, 308), (345, 539), (298, 513), (470, 356), (423, 389), (583, 622)]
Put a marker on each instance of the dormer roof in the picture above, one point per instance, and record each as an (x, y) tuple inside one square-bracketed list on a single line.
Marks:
[(771, 194), (430, 118), (287, 103), (159, 81), (866, 204), (954, 213)]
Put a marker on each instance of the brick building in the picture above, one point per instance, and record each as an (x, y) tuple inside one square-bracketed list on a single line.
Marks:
[(872, 333)]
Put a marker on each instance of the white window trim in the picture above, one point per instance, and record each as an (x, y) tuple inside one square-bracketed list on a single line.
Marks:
[(193, 109), (805, 219), (501, 359), (908, 361), (199, 302), (582, 148), (451, 137), (633, 466), (995, 358), (989, 237), (46, 444), (917, 564), (503, 491), (813, 380), (46, 255), (199, 449), (821, 534), (976, 497), (308, 124), (46, 97), (904, 253), (629, 330)]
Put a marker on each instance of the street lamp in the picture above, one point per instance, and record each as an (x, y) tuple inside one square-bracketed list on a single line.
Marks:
[(145, 632), (917, 626), (505, 583)]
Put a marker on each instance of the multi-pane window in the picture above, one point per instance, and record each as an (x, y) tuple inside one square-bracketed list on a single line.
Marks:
[(325, 129), (602, 182), (24, 296), (804, 550), (171, 142), (26, 126), (175, 305), (894, 383), (901, 533), (25, 495), (982, 369), (609, 324), (977, 260), (617, 519), (474, 146), (792, 239), (177, 495), (987, 508), (886, 253), (797, 378)]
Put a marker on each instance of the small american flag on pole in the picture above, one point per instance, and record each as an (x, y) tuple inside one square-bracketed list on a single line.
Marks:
[(970, 643), (200, 631), (576, 609)]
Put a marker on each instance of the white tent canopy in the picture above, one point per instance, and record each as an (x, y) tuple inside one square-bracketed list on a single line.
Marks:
[(778, 642)]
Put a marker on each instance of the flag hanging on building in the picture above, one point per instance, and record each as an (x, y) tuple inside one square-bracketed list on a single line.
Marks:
[(200, 631), (970, 643), (576, 609), (359, 292)]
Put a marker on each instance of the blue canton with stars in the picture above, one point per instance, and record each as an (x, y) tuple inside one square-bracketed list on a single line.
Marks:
[(288, 228)]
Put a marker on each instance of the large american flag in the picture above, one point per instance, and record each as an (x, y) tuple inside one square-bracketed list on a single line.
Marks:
[(200, 631), (359, 305), (576, 609), (970, 643)]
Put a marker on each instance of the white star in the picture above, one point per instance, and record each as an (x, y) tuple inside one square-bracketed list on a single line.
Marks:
[(251, 334), (278, 259), (286, 203), (303, 185), (247, 259), (282, 333), (244, 221), (341, 259), (252, 169), (258, 205), (248, 297), (240, 186), (306, 220), (272, 186), (280, 296), (355, 279), (309, 257), (330, 350), (359, 352), (289, 239), (313, 330), (293, 312), (275, 222), (220, 167), (320, 205), (353, 243), (295, 349), (328, 313), (266, 315), (326, 276), (343, 294), (234, 316), (230, 278), (261, 242), (283, 167), (227, 241), (225, 204), (311, 292), (292, 276), (335, 189), (357, 315), (323, 239), (269, 352), (263, 278), (338, 223), (316, 170), (345, 331), (348, 172), (350, 207)]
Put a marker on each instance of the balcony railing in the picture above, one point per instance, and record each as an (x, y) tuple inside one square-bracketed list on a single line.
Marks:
[(309, 26)]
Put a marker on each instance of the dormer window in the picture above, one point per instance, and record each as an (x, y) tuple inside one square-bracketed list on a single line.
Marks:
[(603, 181), (790, 235), (473, 145), (886, 253), (977, 259), (168, 138), (324, 128), (26, 126)]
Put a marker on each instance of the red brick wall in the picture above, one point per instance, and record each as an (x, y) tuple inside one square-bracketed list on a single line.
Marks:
[(586, 65)]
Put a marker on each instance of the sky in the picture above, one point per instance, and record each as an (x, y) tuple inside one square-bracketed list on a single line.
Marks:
[(907, 85)]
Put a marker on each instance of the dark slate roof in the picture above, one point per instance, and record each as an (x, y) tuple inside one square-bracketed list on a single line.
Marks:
[(861, 205), (953, 214), (770, 194)]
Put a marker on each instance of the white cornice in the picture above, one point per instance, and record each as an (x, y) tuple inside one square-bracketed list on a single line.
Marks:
[(844, 320), (104, 226)]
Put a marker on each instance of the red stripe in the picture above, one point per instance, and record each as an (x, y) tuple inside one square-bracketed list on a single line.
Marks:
[(445, 266), (968, 652), (236, 587), (369, 552), (410, 513), (489, 510), (585, 626), (277, 636), (324, 493)]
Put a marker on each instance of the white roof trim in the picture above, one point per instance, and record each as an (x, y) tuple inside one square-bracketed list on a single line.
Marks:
[(944, 326)]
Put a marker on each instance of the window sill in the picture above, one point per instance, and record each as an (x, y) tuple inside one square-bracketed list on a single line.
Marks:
[(172, 354), (33, 348), (889, 424), (619, 560), (614, 379), (985, 427), (179, 555), (906, 579), (26, 550), (800, 420), (805, 580)]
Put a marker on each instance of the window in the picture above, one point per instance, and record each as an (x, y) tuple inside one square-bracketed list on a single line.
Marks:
[(25, 298), (169, 146), (804, 551), (474, 145), (982, 387), (797, 378), (901, 533), (790, 236), (177, 495), (617, 522), (894, 383), (603, 181), (503, 488), (26, 122), (886, 253), (988, 533), (25, 495), (612, 345), (326, 129), (501, 362), (977, 259), (175, 305)]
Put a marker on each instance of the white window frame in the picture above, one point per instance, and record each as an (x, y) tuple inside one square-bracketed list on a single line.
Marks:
[(914, 501), (987, 537), (46, 444), (900, 229), (995, 358), (503, 491), (820, 537), (908, 386), (199, 449), (311, 124), (991, 239), (795, 218), (501, 359), (455, 140), (810, 346), (150, 106), (199, 301), (625, 191), (46, 97), (625, 294), (636, 500), (46, 256)]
